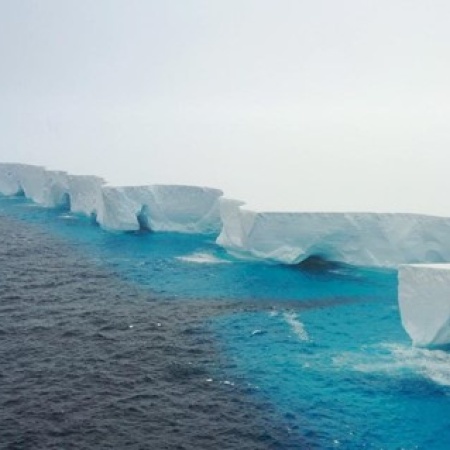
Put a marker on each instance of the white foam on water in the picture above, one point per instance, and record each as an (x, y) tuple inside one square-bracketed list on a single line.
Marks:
[(30, 205), (258, 332), (394, 359), (68, 217), (296, 325), (202, 258)]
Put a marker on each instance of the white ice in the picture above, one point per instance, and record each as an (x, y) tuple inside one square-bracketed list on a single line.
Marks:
[(362, 239), (424, 300), (85, 193), (51, 188), (188, 209)]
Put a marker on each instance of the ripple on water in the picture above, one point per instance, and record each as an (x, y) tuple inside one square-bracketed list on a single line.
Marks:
[(88, 361)]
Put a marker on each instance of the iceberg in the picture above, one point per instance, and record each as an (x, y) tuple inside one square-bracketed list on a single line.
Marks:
[(9, 181), (361, 239), (50, 188), (188, 209), (22, 179), (424, 301), (42, 186)]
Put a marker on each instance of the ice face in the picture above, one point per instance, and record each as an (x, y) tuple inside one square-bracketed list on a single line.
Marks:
[(46, 187), (21, 178), (188, 209), (51, 188), (424, 300), (85, 193), (9, 181), (363, 239)]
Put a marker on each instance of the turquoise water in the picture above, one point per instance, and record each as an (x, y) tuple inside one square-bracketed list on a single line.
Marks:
[(324, 347)]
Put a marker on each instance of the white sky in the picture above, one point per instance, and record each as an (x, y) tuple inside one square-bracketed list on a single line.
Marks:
[(288, 104)]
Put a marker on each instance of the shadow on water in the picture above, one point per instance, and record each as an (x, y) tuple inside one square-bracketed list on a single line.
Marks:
[(318, 264)]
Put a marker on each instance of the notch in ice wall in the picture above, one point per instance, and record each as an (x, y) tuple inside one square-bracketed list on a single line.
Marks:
[(362, 239), (10, 183), (85, 193), (188, 209)]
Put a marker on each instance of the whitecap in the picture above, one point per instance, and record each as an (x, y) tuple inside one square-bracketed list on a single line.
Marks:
[(202, 258), (257, 332), (296, 325), (67, 217), (394, 359)]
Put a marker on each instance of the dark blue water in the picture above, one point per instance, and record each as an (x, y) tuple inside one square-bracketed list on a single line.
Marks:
[(164, 341)]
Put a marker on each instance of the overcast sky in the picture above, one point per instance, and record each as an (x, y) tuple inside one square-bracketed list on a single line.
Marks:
[(288, 104)]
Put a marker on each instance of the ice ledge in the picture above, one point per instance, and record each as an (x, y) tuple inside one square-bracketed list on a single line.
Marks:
[(424, 301)]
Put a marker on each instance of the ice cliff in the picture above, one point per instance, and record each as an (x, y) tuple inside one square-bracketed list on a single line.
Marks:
[(160, 208), (49, 188), (188, 209), (424, 300), (363, 239)]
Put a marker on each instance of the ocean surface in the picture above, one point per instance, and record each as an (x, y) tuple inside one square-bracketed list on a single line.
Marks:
[(164, 341)]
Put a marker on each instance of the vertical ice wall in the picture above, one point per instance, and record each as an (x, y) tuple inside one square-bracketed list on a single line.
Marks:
[(424, 301), (363, 239), (9, 182), (85, 194), (189, 209), (52, 188)]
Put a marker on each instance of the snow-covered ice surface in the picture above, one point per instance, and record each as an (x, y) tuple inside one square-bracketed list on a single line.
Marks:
[(424, 300), (362, 239)]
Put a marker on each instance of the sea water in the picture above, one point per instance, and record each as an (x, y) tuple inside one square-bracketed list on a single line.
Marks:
[(311, 357)]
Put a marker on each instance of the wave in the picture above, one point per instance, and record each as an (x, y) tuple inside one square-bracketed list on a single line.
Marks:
[(296, 325), (398, 360), (202, 258)]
